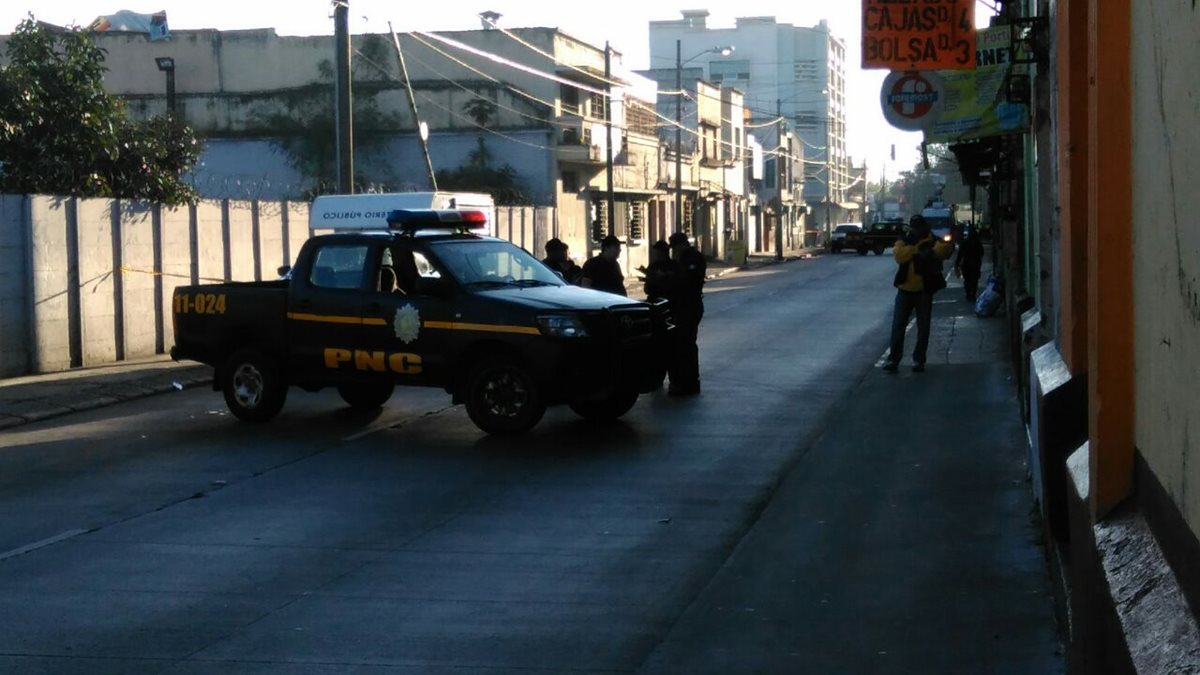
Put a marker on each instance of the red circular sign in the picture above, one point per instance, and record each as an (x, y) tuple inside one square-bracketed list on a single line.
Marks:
[(911, 100)]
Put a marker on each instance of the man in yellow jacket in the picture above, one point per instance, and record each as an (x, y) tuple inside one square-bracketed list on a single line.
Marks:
[(919, 276)]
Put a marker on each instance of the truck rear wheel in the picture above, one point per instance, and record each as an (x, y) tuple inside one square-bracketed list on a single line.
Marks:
[(366, 396), (608, 408), (253, 386), (879, 250), (503, 397), (862, 250)]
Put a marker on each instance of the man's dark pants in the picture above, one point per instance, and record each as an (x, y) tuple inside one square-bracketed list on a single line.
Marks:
[(684, 364), (908, 302)]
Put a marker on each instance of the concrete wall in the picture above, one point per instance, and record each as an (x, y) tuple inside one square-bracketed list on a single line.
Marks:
[(137, 276), (1166, 207), (14, 285), (86, 282), (177, 260), (50, 337)]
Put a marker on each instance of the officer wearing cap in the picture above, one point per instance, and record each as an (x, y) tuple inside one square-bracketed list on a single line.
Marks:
[(558, 259), (603, 272), (687, 308)]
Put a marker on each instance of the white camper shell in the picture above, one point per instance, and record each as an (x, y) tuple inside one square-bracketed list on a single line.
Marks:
[(341, 213)]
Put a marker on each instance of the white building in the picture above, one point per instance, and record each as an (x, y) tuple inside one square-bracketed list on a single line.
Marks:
[(799, 71)]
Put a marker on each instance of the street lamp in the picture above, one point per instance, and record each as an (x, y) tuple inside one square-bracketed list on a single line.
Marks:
[(166, 64), (679, 63)]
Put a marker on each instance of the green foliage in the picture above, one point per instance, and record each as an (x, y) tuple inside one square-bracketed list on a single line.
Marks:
[(61, 133), (501, 183), (307, 133), (478, 174)]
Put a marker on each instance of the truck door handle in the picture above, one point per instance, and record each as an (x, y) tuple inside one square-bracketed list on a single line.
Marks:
[(304, 304), (375, 306)]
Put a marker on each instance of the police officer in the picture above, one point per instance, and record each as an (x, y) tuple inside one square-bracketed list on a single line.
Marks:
[(558, 259), (660, 274), (603, 272), (687, 308)]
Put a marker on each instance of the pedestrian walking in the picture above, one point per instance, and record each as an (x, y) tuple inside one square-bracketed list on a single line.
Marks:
[(558, 258), (919, 275), (686, 295), (969, 262), (603, 272)]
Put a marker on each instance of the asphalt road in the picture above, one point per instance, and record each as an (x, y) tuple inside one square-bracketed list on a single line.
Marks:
[(164, 536)]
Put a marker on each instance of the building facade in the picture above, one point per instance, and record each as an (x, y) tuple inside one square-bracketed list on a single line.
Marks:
[(539, 115), (795, 72)]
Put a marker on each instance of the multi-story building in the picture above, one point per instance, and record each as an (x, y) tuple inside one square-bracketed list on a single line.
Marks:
[(264, 105), (794, 71), (714, 150)]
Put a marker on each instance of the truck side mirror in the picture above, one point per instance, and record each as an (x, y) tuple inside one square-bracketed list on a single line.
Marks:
[(284, 271)]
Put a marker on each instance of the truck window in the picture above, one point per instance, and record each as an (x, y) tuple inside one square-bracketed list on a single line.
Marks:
[(484, 262), (339, 266)]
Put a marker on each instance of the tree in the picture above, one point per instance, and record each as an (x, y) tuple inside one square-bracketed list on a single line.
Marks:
[(61, 133), (478, 174)]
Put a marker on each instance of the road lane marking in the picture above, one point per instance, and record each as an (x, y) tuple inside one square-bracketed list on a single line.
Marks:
[(29, 548)]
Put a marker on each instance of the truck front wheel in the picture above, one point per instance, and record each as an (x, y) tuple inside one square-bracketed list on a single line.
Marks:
[(253, 386), (366, 396), (879, 250), (503, 398)]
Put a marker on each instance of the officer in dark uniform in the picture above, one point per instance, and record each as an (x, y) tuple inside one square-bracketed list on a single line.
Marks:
[(558, 259), (687, 308), (660, 274), (603, 272)]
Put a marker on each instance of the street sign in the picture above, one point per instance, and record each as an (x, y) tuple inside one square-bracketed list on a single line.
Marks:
[(912, 100), (919, 34)]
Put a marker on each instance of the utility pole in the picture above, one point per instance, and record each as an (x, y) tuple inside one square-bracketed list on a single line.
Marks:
[(678, 136), (781, 175), (343, 109), (608, 135), (422, 132)]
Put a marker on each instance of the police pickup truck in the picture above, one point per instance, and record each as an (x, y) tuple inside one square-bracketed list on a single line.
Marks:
[(426, 302)]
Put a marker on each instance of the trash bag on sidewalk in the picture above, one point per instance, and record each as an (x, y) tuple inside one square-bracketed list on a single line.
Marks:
[(990, 299)]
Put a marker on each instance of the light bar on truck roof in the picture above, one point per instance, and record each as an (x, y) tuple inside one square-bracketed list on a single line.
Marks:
[(413, 220)]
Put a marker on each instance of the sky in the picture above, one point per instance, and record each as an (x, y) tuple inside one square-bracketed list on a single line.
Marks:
[(625, 23)]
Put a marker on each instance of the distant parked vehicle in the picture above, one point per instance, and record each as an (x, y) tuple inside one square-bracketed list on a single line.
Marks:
[(839, 235), (879, 237)]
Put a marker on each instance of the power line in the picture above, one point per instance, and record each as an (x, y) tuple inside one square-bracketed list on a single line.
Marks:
[(510, 63)]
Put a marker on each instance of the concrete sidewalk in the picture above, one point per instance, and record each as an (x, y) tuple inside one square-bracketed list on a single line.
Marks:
[(37, 397), (901, 541)]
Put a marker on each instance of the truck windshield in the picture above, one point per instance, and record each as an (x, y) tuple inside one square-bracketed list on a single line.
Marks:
[(483, 264)]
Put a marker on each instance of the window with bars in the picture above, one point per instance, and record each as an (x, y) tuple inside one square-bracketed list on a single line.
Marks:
[(600, 223), (637, 220)]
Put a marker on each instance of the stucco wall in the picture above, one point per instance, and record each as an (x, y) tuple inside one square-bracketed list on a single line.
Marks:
[(137, 279), (50, 341), (14, 285), (1166, 207)]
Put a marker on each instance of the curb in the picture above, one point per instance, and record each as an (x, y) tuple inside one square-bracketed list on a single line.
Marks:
[(9, 421)]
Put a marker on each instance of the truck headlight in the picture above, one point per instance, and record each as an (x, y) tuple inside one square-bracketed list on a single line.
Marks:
[(561, 326)]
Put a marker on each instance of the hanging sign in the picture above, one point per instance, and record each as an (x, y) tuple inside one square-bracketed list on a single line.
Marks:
[(912, 100), (919, 34)]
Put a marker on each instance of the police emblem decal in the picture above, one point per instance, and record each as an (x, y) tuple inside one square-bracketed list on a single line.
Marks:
[(407, 324)]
